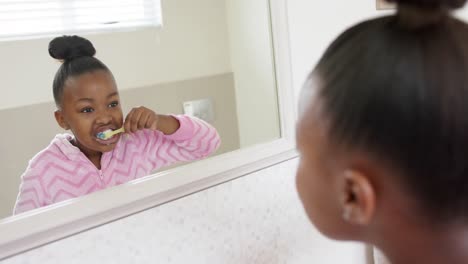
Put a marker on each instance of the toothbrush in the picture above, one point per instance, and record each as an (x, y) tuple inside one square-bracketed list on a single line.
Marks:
[(109, 133)]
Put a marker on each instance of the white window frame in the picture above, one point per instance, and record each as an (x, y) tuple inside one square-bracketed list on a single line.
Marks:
[(32, 19)]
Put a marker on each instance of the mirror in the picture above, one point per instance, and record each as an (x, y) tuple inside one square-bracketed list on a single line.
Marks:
[(218, 50)]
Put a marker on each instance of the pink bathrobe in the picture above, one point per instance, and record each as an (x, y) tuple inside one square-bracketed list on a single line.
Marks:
[(62, 171)]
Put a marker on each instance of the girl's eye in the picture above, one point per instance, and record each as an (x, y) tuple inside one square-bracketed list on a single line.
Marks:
[(87, 110), (114, 104)]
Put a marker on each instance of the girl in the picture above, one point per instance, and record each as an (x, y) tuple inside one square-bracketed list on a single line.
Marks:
[(383, 135), (88, 103)]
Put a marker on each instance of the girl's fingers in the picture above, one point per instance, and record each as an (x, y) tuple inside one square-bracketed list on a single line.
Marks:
[(145, 116), (152, 122), (140, 118), (135, 119), (131, 121)]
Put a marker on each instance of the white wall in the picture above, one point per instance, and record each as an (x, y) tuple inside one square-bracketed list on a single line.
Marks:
[(193, 43), (315, 24), (463, 13), (253, 66)]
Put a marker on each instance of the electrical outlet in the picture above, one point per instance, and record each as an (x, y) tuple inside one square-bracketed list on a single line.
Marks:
[(202, 109)]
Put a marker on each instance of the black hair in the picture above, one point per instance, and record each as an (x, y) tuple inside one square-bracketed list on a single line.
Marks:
[(77, 55), (397, 87)]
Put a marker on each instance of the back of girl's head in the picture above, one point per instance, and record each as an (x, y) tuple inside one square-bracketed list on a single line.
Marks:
[(397, 87), (77, 56)]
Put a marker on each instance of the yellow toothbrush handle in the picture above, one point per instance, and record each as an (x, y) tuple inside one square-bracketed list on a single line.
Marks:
[(120, 130)]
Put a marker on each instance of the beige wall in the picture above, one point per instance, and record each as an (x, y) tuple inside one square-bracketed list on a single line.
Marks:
[(192, 43), (254, 73), (22, 140)]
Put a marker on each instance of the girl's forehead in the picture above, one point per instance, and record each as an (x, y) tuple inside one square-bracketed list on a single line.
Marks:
[(98, 82)]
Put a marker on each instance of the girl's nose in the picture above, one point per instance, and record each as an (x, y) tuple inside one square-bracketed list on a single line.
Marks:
[(104, 118)]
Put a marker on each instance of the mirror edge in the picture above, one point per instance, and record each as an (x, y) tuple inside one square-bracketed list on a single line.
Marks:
[(30, 230)]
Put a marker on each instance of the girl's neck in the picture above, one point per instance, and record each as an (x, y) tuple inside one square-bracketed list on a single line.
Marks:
[(428, 245), (96, 160), (93, 156)]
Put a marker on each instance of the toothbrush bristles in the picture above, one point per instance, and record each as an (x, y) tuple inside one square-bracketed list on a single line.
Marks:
[(105, 134), (108, 133)]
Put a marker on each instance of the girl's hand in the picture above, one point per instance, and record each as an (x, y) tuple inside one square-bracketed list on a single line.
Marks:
[(141, 118)]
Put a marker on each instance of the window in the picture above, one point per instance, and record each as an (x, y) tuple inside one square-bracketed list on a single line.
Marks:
[(24, 19)]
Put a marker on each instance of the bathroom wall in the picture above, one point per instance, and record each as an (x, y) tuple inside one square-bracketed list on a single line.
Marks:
[(192, 43), (314, 24), (252, 62)]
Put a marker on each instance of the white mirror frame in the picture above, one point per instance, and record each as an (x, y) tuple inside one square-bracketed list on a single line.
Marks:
[(41, 226)]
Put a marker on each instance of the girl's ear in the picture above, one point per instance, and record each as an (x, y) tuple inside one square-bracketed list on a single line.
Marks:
[(359, 200), (61, 120)]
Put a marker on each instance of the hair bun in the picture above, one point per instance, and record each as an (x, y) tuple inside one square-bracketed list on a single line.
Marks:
[(417, 14), (67, 48), (451, 4)]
